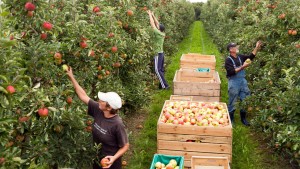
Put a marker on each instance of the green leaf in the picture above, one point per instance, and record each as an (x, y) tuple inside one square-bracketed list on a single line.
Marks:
[(4, 78), (4, 14), (2, 89)]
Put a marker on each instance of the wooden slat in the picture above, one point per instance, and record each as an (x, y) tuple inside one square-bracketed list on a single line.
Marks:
[(195, 98), (189, 146), (199, 92), (181, 98), (206, 98), (194, 137)]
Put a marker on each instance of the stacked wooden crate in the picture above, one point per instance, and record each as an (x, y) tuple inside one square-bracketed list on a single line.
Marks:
[(201, 86), (190, 140)]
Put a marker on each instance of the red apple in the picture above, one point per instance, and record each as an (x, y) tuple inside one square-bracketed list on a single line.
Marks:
[(129, 12), (43, 112), (92, 53), (30, 14), (96, 9), (47, 26), (114, 49), (117, 65), (10, 89), (104, 162), (83, 44), (57, 55), (23, 119), (69, 100), (29, 6), (110, 35), (44, 36), (11, 37)]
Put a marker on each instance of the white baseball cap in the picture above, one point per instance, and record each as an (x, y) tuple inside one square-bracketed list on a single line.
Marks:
[(112, 98)]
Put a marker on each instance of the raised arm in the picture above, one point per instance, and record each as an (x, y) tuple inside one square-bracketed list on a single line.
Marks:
[(257, 47), (152, 22), (78, 89), (155, 20)]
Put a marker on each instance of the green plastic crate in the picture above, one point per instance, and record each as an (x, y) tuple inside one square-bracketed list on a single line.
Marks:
[(166, 158), (203, 69)]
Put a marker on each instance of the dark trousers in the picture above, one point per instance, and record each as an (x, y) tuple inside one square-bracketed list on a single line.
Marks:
[(159, 69)]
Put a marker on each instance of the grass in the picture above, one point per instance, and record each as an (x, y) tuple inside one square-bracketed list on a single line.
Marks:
[(245, 149)]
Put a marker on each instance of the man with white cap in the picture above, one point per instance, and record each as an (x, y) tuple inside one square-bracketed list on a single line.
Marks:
[(108, 128)]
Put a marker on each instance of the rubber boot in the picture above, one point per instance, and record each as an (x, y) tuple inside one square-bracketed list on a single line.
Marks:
[(231, 115), (243, 118)]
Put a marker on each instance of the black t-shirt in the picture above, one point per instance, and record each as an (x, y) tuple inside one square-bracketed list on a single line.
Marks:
[(230, 70), (110, 132)]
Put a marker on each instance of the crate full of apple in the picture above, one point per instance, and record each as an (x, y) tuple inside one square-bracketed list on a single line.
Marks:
[(193, 128), (163, 161), (195, 113)]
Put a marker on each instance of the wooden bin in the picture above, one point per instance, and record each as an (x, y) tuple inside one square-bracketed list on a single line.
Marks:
[(195, 60), (193, 140), (206, 162), (185, 83), (194, 98)]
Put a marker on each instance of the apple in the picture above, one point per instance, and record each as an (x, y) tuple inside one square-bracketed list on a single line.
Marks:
[(88, 128), (47, 26), (114, 49), (248, 61), (29, 6), (83, 44), (65, 67), (89, 122), (91, 53), (117, 65), (173, 162), (43, 112), (104, 162), (69, 100), (44, 36), (158, 165), (96, 9), (23, 119), (30, 14), (10, 89), (110, 35), (11, 37), (57, 55), (124, 163), (2, 160), (294, 32), (129, 13), (193, 121)]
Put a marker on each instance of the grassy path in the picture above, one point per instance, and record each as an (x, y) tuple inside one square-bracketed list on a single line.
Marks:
[(246, 150)]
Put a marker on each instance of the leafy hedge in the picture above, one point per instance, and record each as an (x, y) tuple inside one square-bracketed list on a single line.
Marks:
[(273, 76), (109, 49)]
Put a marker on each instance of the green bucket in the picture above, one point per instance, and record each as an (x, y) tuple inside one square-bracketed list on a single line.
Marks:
[(166, 158)]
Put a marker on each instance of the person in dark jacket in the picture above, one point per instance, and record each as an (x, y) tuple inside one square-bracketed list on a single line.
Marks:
[(235, 65)]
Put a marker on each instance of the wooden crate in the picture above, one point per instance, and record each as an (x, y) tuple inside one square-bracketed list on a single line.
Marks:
[(194, 98), (206, 162), (193, 140), (195, 60), (196, 85)]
